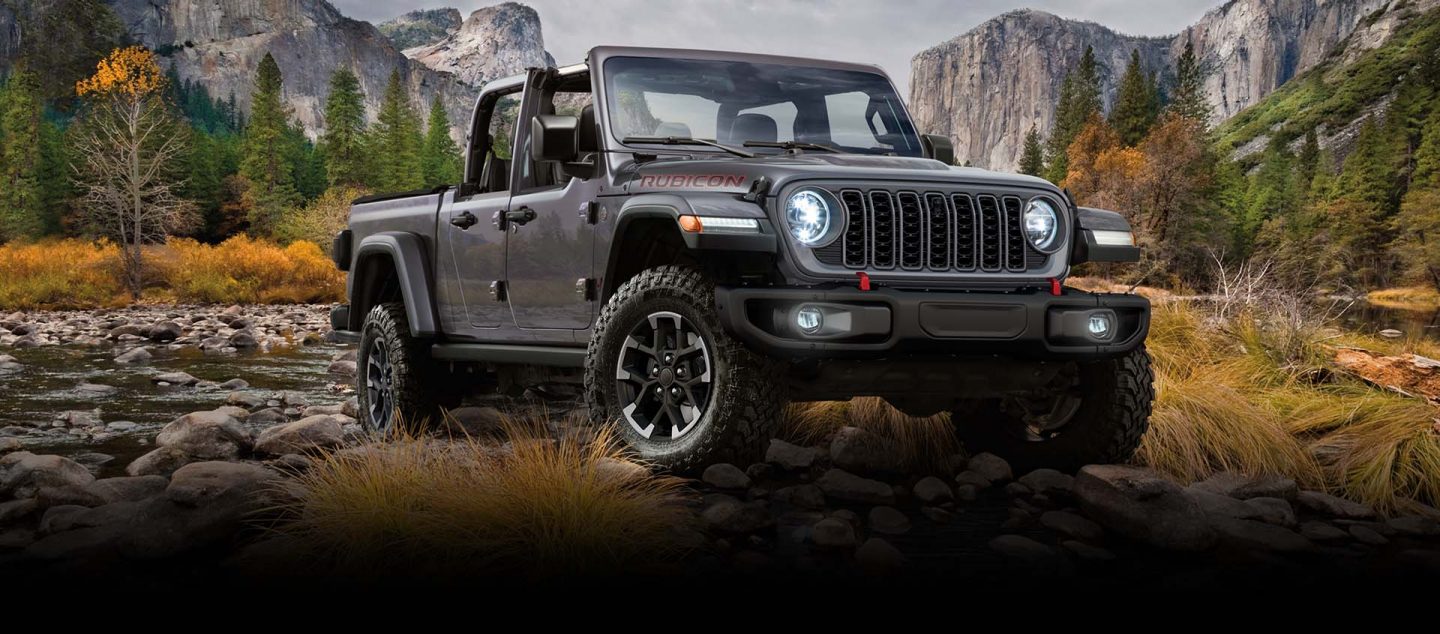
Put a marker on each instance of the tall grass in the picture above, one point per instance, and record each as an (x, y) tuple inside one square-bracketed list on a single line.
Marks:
[(467, 506), (76, 274)]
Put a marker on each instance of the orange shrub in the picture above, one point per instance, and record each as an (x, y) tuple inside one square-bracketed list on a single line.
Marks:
[(60, 274), (245, 270)]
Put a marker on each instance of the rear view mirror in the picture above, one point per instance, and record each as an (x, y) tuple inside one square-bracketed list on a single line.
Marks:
[(939, 148), (552, 138)]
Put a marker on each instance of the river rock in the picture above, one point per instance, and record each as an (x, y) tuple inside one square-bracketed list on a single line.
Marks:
[(134, 356), (10, 444), (1334, 506), (1072, 525), (855, 449), (201, 482), (729, 515), (1275, 511), (206, 436), (162, 461), (16, 510), (789, 456), (92, 390), (1222, 505), (1022, 549), (475, 421), (980, 482), (68, 495), (323, 410), (1251, 534), (243, 339), (725, 476), (122, 426), (1048, 482), (1244, 487), (833, 533), (1143, 506), (306, 435), (1412, 525), (877, 556), (127, 489), (991, 467), (845, 486), (234, 384), (23, 473), (342, 368), (933, 490), (164, 331), (806, 496), (889, 520), (267, 417), (58, 519)]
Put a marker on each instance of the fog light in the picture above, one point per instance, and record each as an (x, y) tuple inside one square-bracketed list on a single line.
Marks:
[(809, 319), (1101, 325)]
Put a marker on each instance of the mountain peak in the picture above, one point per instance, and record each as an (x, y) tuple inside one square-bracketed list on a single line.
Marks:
[(422, 27), (493, 42)]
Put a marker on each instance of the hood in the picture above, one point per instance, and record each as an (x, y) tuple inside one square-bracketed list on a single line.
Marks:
[(736, 175)]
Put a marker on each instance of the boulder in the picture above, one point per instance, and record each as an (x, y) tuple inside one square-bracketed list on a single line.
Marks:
[(1143, 506), (1367, 535), (725, 476), (267, 417), (1250, 534), (1327, 504), (1412, 525), (16, 510), (58, 519), (22, 473), (127, 489), (10, 444), (1217, 504), (315, 433), (474, 421), (842, 485), (203, 482), (858, 450), (164, 331), (729, 515), (68, 495), (134, 356), (991, 467), (1072, 525), (1243, 487), (1048, 482), (234, 384), (806, 496), (979, 482), (833, 533), (889, 520), (247, 400), (933, 490), (877, 556), (342, 368), (1275, 511), (162, 461), (788, 456), (243, 339), (206, 436), (175, 378)]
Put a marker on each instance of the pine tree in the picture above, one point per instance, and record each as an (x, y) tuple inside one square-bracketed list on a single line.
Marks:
[(440, 160), (396, 141), (1359, 217), (1079, 101), (1306, 163), (265, 163), (1418, 222), (1134, 111), (204, 177), (344, 138), (56, 185), (1188, 98), (1032, 159), (20, 160)]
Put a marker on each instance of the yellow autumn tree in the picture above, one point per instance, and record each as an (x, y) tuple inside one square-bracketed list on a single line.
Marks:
[(129, 143)]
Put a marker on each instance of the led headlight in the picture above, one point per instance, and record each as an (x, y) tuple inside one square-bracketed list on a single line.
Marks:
[(810, 215), (1042, 225)]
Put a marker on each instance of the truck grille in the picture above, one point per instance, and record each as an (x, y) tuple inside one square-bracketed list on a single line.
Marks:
[(931, 231)]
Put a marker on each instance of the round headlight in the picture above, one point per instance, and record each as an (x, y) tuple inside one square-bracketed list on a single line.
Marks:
[(1042, 225), (810, 215)]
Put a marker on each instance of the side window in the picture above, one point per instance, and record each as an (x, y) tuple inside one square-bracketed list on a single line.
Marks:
[(494, 174), (533, 176)]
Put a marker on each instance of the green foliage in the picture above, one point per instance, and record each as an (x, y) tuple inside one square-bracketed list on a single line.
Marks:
[(1079, 101), (1032, 159), (1136, 103), (440, 158), (397, 141), (266, 161), (66, 38), (21, 164), (343, 143)]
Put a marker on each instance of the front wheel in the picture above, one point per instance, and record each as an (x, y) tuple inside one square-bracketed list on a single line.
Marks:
[(395, 377), (679, 390), (1097, 415)]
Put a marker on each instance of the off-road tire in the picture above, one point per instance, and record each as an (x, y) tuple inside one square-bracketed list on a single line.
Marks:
[(1113, 416), (413, 374), (745, 406)]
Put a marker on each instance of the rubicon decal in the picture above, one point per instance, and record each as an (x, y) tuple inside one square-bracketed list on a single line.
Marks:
[(691, 181)]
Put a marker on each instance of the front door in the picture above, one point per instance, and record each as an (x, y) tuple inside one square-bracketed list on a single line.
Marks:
[(551, 248)]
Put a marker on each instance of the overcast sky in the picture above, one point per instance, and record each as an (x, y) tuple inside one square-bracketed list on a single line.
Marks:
[(884, 32)]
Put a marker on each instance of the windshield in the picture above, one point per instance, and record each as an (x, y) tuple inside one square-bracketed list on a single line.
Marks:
[(738, 102)]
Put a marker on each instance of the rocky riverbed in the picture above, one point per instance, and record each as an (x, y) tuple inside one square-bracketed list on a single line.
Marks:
[(204, 473)]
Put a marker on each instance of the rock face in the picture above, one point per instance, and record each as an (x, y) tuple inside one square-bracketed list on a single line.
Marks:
[(219, 43), (422, 27), (986, 88), (493, 42)]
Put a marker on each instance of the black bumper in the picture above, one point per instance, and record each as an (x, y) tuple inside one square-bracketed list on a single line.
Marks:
[(887, 322)]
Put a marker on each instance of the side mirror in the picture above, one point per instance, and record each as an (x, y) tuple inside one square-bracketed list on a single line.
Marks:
[(552, 138), (939, 148)]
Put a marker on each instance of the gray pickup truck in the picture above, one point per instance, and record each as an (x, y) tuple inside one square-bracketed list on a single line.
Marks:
[(702, 237)]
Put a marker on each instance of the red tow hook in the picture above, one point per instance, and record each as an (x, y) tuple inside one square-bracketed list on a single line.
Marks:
[(1055, 286), (864, 280)]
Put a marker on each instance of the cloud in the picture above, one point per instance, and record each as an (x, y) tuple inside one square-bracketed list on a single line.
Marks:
[(885, 33)]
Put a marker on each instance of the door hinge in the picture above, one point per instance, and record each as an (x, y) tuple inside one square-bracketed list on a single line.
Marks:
[(497, 291), (585, 288), (591, 213)]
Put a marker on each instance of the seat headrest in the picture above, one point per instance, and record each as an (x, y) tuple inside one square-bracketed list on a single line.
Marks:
[(587, 134), (754, 127), (671, 128)]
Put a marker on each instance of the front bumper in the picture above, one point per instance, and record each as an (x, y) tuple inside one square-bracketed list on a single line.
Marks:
[(886, 322)]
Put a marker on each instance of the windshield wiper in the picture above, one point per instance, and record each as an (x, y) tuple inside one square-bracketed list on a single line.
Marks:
[(794, 145), (685, 140)]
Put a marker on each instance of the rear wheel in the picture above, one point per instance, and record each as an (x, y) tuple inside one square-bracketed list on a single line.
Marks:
[(1096, 414), (680, 392), (396, 379)]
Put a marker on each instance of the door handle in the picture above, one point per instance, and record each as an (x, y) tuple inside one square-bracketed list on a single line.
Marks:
[(465, 220), (520, 216)]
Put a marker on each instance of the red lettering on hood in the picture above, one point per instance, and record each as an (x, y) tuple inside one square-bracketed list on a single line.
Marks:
[(691, 181)]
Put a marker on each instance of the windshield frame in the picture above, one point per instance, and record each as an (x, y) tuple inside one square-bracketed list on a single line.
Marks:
[(601, 58)]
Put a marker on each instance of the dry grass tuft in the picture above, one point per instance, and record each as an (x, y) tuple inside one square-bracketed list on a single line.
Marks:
[(925, 443), (1418, 298), (467, 507)]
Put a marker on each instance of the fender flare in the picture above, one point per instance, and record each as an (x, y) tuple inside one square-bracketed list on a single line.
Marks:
[(406, 251)]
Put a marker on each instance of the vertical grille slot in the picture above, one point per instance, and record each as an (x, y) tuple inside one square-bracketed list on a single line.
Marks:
[(856, 244), (937, 227), (882, 232), (991, 233), (964, 232), (912, 231), (1014, 235)]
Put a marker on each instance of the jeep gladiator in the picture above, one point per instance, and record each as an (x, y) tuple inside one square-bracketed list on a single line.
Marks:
[(703, 237)]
